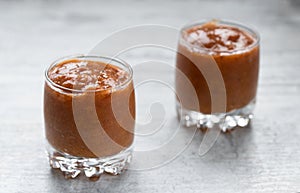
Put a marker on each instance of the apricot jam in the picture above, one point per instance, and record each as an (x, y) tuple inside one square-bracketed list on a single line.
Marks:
[(70, 87), (234, 49)]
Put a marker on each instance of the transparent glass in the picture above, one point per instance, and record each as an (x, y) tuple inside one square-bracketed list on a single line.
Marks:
[(216, 86), (89, 131)]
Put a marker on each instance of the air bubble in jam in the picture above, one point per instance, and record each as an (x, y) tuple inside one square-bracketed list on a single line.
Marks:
[(87, 75)]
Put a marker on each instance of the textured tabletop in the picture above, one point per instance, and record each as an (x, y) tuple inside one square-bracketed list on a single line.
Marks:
[(262, 158)]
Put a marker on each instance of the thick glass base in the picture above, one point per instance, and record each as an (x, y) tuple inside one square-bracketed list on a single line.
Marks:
[(72, 166), (225, 121)]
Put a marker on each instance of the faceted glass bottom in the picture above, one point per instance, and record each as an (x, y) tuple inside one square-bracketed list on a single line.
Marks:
[(225, 121), (72, 166)]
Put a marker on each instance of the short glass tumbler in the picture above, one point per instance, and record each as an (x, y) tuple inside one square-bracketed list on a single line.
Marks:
[(217, 74), (89, 114)]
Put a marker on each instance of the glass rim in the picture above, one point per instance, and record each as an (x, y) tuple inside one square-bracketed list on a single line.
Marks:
[(252, 32), (82, 56)]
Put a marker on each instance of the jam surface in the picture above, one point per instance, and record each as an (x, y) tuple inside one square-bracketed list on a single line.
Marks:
[(218, 37), (87, 75)]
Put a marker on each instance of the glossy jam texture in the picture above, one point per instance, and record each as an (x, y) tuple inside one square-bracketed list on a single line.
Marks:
[(87, 75), (218, 38)]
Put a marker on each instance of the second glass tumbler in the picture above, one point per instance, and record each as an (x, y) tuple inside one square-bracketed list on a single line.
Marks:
[(220, 60)]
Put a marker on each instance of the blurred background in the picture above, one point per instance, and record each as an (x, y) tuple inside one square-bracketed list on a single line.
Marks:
[(35, 33)]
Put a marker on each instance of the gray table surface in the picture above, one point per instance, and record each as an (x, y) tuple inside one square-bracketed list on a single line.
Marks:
[(262, 158)]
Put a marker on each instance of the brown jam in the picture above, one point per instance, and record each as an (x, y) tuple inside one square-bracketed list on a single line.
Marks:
[(92, 86), (236, 53)]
